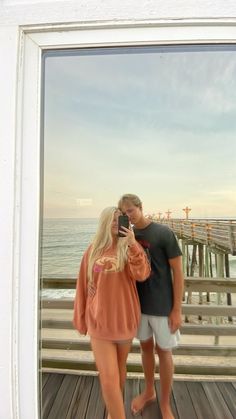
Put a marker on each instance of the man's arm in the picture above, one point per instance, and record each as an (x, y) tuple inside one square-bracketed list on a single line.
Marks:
[(175, 317)]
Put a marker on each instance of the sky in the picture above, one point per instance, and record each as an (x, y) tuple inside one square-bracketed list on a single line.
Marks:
[(159, 122)]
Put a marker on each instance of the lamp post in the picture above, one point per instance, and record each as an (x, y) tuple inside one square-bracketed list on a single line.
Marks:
[(168, 214), (187, 211)]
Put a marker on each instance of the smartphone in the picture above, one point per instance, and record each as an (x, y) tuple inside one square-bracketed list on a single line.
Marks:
[(123, 221)]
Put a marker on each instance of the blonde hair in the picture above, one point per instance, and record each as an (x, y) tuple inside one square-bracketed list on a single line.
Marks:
[(103, 240), (130, 199)]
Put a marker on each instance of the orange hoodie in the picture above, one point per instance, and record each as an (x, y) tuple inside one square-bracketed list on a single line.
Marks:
[(109, 308)]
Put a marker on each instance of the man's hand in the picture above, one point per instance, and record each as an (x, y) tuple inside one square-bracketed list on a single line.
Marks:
[(175, 320)]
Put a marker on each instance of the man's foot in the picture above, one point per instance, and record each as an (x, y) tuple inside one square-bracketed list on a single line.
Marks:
[(166, 412), (141, 401)]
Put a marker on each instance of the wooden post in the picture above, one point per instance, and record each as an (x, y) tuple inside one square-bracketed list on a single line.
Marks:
[(208, 258), (200, 271), (187, 259), (211, 270), (207, 271), (227, 274), (231, 238), (201, 260), (184, 270), (184, 256), (194, 260), (219, 273)]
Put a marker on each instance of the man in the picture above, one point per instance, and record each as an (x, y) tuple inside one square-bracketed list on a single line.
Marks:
[(160, 298)]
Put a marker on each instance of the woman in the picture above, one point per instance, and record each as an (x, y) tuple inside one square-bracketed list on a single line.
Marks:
[(107, 304)]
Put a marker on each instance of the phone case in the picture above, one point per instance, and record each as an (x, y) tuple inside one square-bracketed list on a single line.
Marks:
[(123, 220)]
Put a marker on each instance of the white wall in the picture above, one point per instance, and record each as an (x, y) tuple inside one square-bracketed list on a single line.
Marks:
[(45, 11), (8, 41), (15, 182)]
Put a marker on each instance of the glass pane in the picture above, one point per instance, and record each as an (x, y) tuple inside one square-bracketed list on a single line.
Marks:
[(159, 122), (156, 121)]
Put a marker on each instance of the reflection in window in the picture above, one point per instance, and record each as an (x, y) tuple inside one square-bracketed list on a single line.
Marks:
[(156, 121)]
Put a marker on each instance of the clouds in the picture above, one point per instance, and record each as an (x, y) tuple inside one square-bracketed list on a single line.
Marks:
[(157, 121)]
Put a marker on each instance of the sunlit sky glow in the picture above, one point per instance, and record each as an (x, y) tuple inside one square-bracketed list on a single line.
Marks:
[(158, 122)]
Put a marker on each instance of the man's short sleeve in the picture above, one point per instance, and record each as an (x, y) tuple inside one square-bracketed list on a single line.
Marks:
[(170, 243)]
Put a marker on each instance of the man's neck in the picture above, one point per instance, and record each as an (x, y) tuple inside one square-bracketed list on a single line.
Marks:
[(144, 222)]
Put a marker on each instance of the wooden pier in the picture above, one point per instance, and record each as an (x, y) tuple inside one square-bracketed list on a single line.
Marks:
[(208, 346), (205, 361), (67, 396), (218, 235)]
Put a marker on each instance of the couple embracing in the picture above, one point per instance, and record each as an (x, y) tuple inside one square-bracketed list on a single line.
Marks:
[(131, 284)]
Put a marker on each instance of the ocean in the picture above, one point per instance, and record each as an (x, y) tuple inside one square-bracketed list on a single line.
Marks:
[(64, 241)]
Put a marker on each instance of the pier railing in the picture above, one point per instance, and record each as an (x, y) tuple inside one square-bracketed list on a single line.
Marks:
[(217, 234), (208, 346)]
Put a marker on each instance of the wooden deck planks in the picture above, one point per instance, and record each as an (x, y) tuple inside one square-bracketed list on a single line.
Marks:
[(96, 409), (45, 378), (49, 392), (217, 403), (79, 397), (64, 397), (199, 400), (228, 392), (183, 401)]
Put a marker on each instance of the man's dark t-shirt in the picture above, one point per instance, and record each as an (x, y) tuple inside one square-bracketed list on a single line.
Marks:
[(156, 293)]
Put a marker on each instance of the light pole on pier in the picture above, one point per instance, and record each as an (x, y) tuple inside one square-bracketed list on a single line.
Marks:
[(187, 211), (168, 214), (159, 215)]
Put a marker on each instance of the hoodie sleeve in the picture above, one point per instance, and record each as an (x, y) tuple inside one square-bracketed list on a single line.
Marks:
[(138, 264), (80, 301)]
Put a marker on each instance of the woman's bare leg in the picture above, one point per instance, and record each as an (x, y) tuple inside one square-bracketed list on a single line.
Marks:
[(105, 353), (122, 354)]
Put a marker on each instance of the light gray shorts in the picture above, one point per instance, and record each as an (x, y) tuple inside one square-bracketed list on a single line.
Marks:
[(159, 327)]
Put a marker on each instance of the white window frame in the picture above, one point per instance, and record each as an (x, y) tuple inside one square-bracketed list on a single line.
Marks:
[(33, 41)]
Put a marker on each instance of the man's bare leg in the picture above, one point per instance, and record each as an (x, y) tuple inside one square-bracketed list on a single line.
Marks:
[(148, 361), (166, 371)]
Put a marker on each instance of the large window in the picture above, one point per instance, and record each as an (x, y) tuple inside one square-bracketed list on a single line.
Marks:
[(118, 117)]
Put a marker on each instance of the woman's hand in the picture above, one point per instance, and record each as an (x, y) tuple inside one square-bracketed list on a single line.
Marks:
[(129, 234)]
